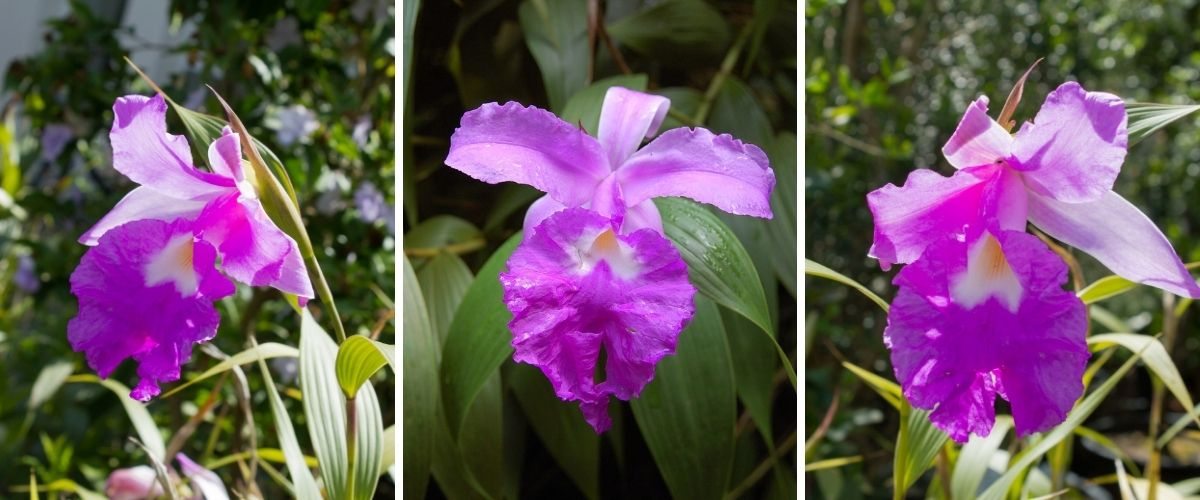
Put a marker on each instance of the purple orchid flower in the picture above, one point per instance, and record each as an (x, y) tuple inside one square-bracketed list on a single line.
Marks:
[(141, 266), (223, 204), (1056, 172), (961, 326), (595, 270)]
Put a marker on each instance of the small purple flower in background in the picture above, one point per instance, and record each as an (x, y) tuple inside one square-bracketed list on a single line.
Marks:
[(1056, 172), (133, 483), (157, 249), (985, 318), (196, 98), (370, 203), (595, 270), (362, 131), (54, 139), (293, 124), (26, 276), (207, 481), (331, 185), (284, 34), (136, 268)]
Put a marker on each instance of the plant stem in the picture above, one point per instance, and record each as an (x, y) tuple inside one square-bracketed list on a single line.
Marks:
[(762, 468), (1170, 328), (726, 68), (351, 445)]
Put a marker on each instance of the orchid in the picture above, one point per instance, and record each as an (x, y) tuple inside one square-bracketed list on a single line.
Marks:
[(962, 325), (595, 271), (1056, 172), (171, 230)]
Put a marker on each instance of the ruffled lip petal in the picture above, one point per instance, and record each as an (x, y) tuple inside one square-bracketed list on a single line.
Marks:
[(1118, 235), (111, 285), (1076, 145), (497, 143), (695, 163), (978, 140), (626, 118), (574, 288), (145, 153), (953, 360)]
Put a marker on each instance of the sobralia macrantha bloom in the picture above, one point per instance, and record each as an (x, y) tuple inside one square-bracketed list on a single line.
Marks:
[(985, 315), (146, 288), (595, 277), (1056, 172)]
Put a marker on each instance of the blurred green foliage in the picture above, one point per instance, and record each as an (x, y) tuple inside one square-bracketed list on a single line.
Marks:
[(335, 59), (885, 84), (726, 65)]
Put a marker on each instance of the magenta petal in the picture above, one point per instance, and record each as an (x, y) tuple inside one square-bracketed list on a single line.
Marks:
[(1075, 146), (531, 146), (1118, 235), (148, 155), (225, 156), (927, 208), (253, 251), (574, 287), (697, 164), (538, 211), (644, 215), (978, 140), (626, 118), (139, 267), (142, 203), (953, 359)]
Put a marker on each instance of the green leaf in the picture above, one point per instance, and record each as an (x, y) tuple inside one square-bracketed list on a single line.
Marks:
[(781, 229), (718, 265), (818, 270), (260, 351), (687, 413), (325, 409), (676, 32), (584, 106), (303, 484), (48, 381), (411, 8), (918, 443), (1147, 118), (478, 340), (481, 437), (736, 111), (889, 390), (143, 423), (444, 282), (684, 103), (1155, 357), (1105, 288), (972, 462), (1075, 418), (561, 428), (442, 231), (10, 159), (556, 33), (358, 358), (754, 366)]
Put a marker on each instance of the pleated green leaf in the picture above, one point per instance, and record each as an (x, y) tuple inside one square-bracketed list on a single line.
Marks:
[(358, 358), (973, 459), (561, 428), (1147, 118), (303, 484), (556, 33), (918, 443), (1156, 359), (478, 340), (325, 409), (687, 413), (444, 281)]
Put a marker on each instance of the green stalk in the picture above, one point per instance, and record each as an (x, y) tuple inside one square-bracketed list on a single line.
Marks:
[(351, 445)]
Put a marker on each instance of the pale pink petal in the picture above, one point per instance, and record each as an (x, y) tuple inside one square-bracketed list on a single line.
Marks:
[(1118, 235), (148, 155), (207, 481), (978, 140), (143, 203), (697, 164), (225, 156), (626, 118), (1075, 146), (497, 143)]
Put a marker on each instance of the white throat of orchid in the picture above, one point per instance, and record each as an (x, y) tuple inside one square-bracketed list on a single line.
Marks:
[(988, 274), (174, 264), (606, 247)]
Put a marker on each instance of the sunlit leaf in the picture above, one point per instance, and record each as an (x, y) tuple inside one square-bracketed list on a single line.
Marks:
[(261, 351), (1155, 357), (358, 358), (918, 443), (973, 459), (303, 484), (1147, 118), (48, 381), (815, 269)]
